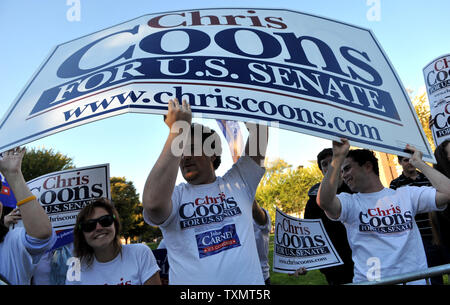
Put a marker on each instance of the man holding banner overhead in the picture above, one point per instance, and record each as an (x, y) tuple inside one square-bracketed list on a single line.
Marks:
[(206, 222), (380, 224)]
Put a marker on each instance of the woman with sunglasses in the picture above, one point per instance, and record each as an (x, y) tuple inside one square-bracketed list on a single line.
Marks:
[(22, 248), (102, 258)]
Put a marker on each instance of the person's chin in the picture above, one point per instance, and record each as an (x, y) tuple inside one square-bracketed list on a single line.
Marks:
[(100, 244), (190, 176), (350, 185)]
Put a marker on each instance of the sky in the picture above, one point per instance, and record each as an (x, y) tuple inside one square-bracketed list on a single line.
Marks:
[(411, 32)]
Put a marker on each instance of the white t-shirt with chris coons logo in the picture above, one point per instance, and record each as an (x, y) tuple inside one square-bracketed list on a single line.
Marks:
[(382, 233), (209, 235)]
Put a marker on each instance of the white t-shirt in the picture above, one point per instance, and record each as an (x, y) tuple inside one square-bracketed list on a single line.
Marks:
[(382, 232), (209, 234), (134, 267), (262, 244), (20, 253)]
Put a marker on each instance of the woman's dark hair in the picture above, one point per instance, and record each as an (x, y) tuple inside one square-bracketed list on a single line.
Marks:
[(361, 156), (207, 132), (3, 229), (81, 248), (443, 164)]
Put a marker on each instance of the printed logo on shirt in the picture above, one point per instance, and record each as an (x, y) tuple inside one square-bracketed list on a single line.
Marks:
[(392, 220), (122, 282), (216, 241), (207, 209)]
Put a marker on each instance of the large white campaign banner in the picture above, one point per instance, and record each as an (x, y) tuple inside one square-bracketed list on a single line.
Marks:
[(437, 81), (309, 74), (63, 194), (301, 243)]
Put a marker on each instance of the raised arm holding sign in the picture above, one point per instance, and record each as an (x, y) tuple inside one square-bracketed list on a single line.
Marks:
[(161, 180)]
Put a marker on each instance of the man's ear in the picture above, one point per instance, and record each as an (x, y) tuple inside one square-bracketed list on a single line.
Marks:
[(368, 167)]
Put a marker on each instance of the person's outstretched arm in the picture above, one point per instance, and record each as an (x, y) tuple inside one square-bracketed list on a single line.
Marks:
[(160, 182), (438, 180), (326, 197), (35, 220)]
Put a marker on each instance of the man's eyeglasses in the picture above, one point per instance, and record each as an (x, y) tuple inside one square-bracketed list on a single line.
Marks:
[(91, 224)]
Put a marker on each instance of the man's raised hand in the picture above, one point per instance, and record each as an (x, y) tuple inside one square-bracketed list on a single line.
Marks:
[(416, 157), (177, 112), (340, 149), (11, 161)]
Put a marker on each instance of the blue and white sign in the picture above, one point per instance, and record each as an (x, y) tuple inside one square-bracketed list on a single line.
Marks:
[(437, 81), (310, 74), (217, 240), (63, 194), (301, 243)]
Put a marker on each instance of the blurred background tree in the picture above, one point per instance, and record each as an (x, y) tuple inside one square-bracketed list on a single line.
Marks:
[(422, 108), (126, 201), (40, 161), (287, 188)]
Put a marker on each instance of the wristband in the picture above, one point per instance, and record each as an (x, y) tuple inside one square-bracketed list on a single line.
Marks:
[(28, 199)]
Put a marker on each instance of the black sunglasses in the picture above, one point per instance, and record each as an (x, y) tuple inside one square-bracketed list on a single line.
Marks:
[(91, 224)]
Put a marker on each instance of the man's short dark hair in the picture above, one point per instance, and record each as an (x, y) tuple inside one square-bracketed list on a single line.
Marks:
[(327, 152), (361, 156), (206, 133), (400, 158)]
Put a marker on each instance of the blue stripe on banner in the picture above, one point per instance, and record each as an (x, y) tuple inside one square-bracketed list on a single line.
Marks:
[(242, 116), (308, 83)]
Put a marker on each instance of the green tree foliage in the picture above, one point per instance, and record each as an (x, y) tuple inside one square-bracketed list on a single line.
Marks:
[(38, 162), (126, 201), (422, 107), (286, 188)]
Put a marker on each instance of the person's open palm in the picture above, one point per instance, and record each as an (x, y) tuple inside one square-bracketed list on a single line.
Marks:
[(11, 160), (177, 112)]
